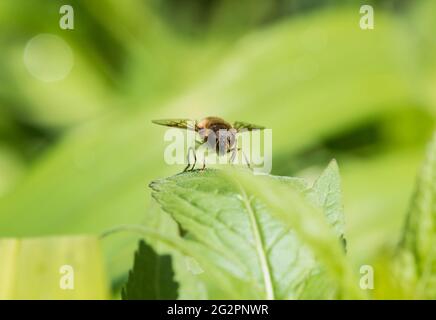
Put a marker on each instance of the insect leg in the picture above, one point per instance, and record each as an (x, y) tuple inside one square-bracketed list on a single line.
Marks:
[(195, 160), (233, 156), (246, 159), (204, 164), (234, 150), (188, 160), (198, 144)]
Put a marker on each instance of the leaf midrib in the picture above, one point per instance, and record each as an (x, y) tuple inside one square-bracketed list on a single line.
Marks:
[(260, 247)]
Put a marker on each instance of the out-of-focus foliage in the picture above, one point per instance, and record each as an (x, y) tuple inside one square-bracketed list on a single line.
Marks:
[(420, 220), (52, 268), (76, 155), (419, 233)]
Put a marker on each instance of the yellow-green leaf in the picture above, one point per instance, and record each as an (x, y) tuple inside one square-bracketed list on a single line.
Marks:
[(68, 267)]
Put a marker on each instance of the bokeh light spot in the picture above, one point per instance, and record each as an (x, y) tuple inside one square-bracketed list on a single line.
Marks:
[(48, 57)]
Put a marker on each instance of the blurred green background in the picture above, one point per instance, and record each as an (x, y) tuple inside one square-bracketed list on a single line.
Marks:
[(77, 154)]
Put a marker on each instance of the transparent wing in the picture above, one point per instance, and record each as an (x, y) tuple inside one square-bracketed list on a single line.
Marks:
[(177, 123), (239, 125)]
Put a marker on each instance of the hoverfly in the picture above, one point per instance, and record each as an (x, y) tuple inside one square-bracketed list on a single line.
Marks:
[(216, 132)]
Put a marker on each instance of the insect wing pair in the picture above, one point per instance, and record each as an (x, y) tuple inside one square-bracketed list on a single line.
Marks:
[(216, 132)]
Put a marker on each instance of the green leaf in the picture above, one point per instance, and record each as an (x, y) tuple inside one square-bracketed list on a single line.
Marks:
[(327, 189), (307, 220), (52, 268), (325, 194), (420, 229), (239, 233), (152, 276)]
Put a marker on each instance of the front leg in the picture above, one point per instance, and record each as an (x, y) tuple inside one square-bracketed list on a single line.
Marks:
[(198, 144), (246, 159), (188, 160), (232, 157)]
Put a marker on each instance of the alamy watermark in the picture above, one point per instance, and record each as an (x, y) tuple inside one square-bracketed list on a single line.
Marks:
[(367, 277), (66, 22), (66, 281), (367, 19)]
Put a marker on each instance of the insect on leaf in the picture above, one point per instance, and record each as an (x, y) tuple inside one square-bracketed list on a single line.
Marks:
[(240, 234)]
